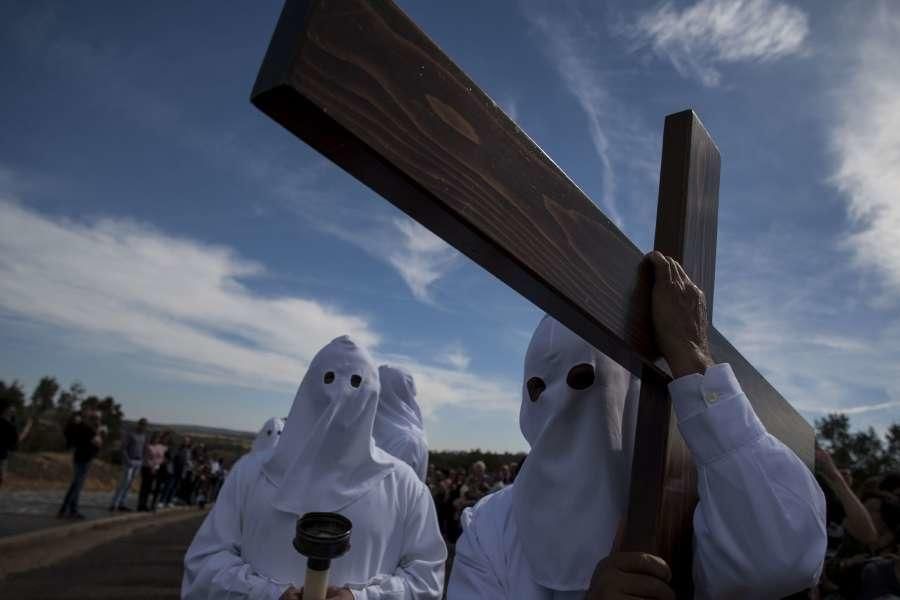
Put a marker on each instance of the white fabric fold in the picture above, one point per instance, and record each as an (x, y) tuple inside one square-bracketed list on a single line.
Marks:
[(326, 458), (268, 435), (573, 488), (759, 527), (399, 430)]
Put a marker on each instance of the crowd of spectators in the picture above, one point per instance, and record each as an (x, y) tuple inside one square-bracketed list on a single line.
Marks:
[(170, 473), (863, 519), (454, 490)]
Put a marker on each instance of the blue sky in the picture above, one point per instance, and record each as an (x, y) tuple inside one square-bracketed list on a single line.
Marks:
[(164, 242)]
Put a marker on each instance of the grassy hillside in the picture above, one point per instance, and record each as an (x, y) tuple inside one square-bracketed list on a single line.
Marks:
[(43, 462), (53, 470)]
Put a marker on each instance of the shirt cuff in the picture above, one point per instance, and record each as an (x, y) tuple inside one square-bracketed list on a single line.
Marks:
[(714, 416), (358, 594)]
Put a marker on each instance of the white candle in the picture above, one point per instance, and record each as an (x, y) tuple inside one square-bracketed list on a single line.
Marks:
[(316, 585)]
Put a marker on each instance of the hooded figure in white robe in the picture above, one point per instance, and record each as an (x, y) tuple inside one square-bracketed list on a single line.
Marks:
[(326, 460), (398, 423), (268, 435), (758, 528)]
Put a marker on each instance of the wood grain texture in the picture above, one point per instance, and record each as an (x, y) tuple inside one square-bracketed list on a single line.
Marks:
[(361, 83), (687, 212), (663, 475), (648, 466)]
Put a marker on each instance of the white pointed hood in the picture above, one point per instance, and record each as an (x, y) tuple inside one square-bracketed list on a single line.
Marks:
[(326, 457), (398, 412), (268, 435), (573, 487)]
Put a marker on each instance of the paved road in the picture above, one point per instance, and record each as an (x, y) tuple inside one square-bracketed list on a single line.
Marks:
[(143, 566), (24, 511)]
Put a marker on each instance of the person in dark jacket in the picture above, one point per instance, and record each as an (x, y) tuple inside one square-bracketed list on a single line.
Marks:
[(163, 473), (183, 463), (10, 436), (85, 436)]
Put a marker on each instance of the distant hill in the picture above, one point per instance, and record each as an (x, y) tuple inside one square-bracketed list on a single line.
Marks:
[(225, 443), (203, 431)]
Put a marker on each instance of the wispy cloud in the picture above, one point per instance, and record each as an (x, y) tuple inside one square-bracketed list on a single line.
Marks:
[(439, 386), (793, 312), (455, 356), (419, 257), (700, 38), (511, 108), (566, 47), (626, 148), (866, 141), (187, 310), (178, 300)]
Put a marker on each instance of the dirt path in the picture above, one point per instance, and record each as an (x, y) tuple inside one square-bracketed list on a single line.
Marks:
[(142, 566)]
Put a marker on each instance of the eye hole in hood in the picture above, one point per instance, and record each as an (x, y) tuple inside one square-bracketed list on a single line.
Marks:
[(535, 387), (355, 381), (581, 377), (329, 377)]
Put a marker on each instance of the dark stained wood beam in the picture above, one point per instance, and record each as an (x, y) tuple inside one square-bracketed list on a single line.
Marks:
[(361, 83), (663, 475)]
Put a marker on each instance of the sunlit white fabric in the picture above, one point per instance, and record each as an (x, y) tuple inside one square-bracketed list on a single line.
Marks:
[(398, 422), (325, 459), (572, 490), (243, 550), (268, 435), (759, 526)]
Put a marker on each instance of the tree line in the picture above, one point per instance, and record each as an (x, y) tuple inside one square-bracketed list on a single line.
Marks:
[(865, 453), (51, 407)]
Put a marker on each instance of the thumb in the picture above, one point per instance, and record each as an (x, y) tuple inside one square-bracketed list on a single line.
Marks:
[(660, 265)]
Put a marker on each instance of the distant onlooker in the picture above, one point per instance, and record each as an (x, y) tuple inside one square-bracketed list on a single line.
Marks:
[(154, 453), (184, 466), (858, 521), (880, 577), (215, 477), (10, 436), (84, 435), (169, 481), (132, 459)]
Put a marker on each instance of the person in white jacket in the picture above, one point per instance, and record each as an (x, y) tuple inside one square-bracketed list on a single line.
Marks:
[(759, 526), (268, 436), (325, 461), (398, 422)]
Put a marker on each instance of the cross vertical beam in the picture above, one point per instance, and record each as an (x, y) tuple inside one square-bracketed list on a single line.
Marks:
[(663, 476)]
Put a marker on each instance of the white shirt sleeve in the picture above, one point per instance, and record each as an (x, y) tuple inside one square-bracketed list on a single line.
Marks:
[(213, 566), (420, 574), (759, 526), (472, 576)]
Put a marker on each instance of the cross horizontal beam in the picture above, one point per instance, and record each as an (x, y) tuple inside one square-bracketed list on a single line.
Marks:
[(358, 81)]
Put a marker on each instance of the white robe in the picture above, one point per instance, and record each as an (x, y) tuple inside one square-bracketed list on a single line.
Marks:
[(326, 460), (399, 430), (268, 435), (759, 526), (244, 549)]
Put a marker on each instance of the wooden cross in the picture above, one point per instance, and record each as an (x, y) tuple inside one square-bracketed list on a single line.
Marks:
[(358, 81)]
